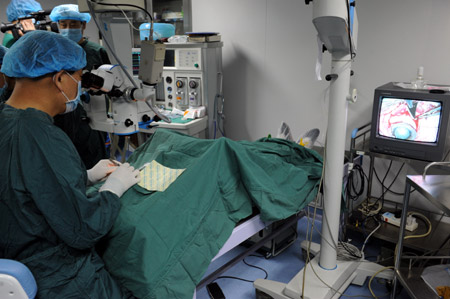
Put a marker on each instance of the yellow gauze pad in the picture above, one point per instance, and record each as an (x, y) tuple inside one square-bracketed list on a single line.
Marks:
[(156, 177)]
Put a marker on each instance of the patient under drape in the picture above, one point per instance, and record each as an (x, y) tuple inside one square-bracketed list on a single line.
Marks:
[(162, 242)]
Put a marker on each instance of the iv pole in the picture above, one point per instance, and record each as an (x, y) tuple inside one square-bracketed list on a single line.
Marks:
[(325, 276)]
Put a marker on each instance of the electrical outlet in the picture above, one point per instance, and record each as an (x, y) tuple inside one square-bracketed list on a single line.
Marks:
[(411, 222)]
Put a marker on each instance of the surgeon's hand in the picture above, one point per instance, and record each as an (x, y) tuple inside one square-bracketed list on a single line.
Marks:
[(121, 180), (101, 170)]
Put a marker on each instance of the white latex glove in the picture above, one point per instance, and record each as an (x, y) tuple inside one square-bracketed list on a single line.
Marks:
[(100, 171), (121, 180)]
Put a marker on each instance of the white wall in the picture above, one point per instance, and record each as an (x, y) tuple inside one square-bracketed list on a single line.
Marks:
[(268, 58), (270, 52)]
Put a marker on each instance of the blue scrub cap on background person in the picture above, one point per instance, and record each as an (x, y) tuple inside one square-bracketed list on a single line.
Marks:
[(3, 51), (68, 12), (39, 53), (21, 8)]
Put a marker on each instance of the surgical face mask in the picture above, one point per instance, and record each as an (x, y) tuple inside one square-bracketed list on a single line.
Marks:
[(71, 105), (74, 34)]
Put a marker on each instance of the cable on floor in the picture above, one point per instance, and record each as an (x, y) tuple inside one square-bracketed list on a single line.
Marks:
[(373, 276), (243, 279)]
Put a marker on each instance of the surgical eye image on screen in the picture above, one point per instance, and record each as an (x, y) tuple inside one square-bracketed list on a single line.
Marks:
[(413, 120)]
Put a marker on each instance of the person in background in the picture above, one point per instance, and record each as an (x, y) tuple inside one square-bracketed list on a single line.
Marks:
[(89, 143), (6, 83), (47, 221), (72, 24), (18, 9)]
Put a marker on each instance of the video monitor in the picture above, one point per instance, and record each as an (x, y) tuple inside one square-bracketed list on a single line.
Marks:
[(409, 119)]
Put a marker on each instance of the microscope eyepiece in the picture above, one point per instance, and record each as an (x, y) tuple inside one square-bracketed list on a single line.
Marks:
[(91, 81)]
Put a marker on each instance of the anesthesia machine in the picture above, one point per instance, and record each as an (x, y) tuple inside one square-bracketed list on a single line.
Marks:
[(192, 78)]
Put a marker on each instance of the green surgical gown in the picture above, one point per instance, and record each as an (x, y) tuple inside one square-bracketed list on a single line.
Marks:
[(8, 40), (4, 95), (95, 55), (89, 143), (46, 220)]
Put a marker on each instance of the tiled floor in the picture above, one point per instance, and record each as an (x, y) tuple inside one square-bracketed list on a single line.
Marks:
[(282, 268)]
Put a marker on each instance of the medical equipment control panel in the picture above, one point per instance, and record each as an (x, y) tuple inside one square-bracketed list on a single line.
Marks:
[(188, 92), (182, 102), (195, 96), (192, 77), (189, 59)]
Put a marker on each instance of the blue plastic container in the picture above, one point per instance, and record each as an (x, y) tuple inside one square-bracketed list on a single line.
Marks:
[(160, 30)]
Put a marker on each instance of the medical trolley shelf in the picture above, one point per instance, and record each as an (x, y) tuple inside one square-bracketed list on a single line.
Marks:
[(436, 189), (359, 146)]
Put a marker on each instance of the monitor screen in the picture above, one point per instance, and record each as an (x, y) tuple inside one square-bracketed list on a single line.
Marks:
[(169, 59), (136, 60), (409, 119)]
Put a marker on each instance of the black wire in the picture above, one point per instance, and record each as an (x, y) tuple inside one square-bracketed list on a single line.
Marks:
[(423, 262), (256, 267), (384, 179), (389, 190), (219, 117), (395, 178), (352, 54), (130, 5), (352, 192), (233, 277), (382, 183), (242, 279), (432, 253), (362, 170), (383, 187), (345, 246)]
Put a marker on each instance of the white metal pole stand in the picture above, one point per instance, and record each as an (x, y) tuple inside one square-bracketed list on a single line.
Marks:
[(334, 274), (325, 276), (334, 157)]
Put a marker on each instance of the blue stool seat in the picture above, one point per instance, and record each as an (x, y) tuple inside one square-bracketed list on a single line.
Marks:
[(16, 280)]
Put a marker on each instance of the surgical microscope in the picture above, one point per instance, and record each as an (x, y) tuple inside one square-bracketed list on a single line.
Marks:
[(131, 108), (169, 76)]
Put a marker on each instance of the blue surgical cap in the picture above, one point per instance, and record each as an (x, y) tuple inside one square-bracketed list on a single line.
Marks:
[(69, 12), (3, 51), (41, 52), (21, 8)]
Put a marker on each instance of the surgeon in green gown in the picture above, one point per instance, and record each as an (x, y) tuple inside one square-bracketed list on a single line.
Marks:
[(47, 221)]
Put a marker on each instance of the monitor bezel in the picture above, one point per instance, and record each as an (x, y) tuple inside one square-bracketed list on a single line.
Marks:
[(425, 151)]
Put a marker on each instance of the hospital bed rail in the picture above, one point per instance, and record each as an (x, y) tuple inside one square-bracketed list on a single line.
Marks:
[(241, 233)]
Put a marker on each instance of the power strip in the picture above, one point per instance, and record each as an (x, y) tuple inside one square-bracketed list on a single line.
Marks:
[(411, 223)]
